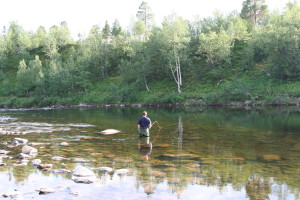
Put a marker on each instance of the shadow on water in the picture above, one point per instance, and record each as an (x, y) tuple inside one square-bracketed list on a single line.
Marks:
[(192, 153)]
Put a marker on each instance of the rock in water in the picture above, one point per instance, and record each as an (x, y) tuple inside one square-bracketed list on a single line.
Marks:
[(18, 141), (23, 156), (45, 167), (2, 163), (63, 144), (83, 175), (122, 171), (46, 190), (105, 169), (61, 171), (110, 132), (36, 162), (83, 171), (31, 151), (58, 158), (3, 152)]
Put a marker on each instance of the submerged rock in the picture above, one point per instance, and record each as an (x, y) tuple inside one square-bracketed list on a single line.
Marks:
[(37, 143), (271, 157), (62, 171), (81, 160), (16, 195), (57, 158), (73, 192)]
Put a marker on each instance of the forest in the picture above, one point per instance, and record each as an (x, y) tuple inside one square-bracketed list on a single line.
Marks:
[(250, 57)]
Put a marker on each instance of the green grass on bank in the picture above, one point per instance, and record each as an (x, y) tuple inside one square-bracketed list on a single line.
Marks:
[(249, 90)]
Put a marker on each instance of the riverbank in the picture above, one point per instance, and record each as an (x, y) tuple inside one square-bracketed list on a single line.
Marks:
[(178, 105), (245, 91)]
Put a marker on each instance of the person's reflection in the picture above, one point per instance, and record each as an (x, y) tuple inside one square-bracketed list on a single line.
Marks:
[(145, 147)]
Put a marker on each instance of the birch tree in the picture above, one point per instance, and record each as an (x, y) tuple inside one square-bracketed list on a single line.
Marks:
[(174, 40)]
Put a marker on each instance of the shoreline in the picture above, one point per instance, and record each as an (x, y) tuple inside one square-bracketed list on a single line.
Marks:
[(152, 105)]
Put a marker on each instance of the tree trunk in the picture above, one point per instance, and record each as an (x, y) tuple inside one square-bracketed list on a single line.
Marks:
[(146, 84), (177, 77)]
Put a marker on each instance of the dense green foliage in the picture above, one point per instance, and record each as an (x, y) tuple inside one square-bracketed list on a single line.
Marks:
[(252, 56)]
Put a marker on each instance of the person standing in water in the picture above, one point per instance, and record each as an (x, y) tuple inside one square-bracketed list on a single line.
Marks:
[(144, 124)]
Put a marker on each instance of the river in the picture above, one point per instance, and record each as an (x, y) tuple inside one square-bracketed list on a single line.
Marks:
[(192, 153)]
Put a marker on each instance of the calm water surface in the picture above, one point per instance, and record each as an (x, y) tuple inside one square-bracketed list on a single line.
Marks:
[(192, 153)]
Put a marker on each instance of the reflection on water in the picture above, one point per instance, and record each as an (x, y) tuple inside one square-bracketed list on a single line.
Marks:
[(194, 153)]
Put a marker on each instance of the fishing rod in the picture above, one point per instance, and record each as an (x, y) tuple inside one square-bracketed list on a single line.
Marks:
[(156, 122)]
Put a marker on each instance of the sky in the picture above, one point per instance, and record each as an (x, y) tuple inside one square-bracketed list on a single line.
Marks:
[(81, 15)]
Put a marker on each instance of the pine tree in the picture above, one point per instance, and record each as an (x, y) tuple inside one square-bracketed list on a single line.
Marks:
[(253, 10)]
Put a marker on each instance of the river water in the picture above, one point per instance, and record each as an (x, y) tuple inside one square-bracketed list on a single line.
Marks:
[(192, 153)]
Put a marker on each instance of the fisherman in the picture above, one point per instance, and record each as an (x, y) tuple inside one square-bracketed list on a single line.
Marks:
[(144, 124)]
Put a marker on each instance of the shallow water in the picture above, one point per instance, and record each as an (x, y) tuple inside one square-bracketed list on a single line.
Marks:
[(192, 153)]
